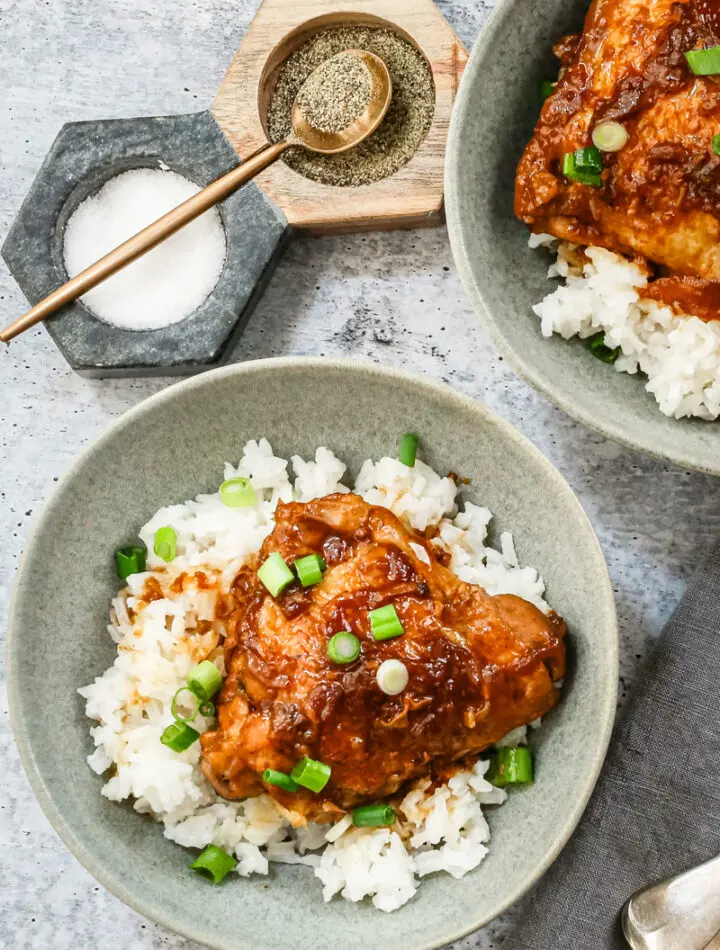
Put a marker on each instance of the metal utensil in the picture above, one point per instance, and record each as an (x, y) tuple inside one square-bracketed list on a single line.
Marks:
[(303, 134), (682, 913)]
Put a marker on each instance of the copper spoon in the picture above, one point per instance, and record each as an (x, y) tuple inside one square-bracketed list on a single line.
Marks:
[(303, 134)]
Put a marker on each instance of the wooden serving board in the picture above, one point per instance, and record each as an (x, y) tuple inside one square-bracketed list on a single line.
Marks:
[(413, 196)]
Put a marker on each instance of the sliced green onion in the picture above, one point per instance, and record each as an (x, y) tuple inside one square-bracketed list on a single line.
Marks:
[(373, 816), (237, 493), (165, 545), (311, 774), (392, 677), (408, 449), (597, 346), (584, 176), (547, 88), (493, 774), (176, 701), (179, 736), (214, 863), (343, 647), (271, 777), (511, 766), (204, 679), (310, 569), (568, 165), (206, 708), (275, 574), (588, 159), (716, 144), (610, 136), (704, 62), (130, 560), (385, 623)]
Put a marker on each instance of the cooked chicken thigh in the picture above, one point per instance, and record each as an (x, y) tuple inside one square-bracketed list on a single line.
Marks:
[(660, 194), (478, 665)]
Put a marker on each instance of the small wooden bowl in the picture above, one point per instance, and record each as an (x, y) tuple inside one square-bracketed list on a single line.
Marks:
[(413, 196)]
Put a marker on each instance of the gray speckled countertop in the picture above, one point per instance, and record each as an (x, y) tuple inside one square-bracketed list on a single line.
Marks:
[(394, 298)]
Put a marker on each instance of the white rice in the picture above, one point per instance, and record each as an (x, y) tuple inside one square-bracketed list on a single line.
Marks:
[(679, 355), (439, 830)]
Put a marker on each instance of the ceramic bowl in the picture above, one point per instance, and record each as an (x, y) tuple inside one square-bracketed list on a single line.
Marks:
[(173, 446), (494, 116)]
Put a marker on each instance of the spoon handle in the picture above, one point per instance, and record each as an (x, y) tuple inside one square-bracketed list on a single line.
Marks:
[(148, 238)]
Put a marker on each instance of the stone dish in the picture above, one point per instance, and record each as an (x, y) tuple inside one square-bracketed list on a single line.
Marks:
[(495, 112), (171, 447), (83, 157)]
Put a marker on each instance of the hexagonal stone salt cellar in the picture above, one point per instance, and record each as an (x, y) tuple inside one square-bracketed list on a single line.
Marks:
[(83, 157)]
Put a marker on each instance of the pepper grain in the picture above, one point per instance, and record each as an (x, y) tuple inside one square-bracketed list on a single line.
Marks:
[(336, 94), (402, 130)]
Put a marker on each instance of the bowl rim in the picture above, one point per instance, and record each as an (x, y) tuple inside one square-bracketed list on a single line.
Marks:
[(526, 368), (606, 608)]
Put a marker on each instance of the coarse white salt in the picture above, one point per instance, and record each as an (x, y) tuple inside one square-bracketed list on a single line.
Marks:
[(169, 282)]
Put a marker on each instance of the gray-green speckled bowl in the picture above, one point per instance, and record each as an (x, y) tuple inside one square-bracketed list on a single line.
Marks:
[(170, 448), (494, 115)]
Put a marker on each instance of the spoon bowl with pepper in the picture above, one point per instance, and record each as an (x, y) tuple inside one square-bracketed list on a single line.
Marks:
[(341, 103)]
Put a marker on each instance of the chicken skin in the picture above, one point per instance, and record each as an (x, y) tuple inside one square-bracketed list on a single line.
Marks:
[(659, 201), (478, 665)]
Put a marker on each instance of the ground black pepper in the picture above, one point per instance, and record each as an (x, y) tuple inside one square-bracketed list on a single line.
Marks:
[(403, 128), (336, 94)]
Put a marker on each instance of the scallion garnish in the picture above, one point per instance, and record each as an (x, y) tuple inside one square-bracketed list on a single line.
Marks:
[(204, 680), (311, 774), (511, 766), (408, 449), (214, 863), (704, 62), (309, 569), (373, 816), (280, 779), (568, 165), (716, 144), (392, 677), (275, 574), (176, 700), (582, 168), (385, 623), (589, 159), (343, 647), (130, 560), (610, 136), (599, 349), (547, 88), (179, 736), (165, 544), (237, 493)]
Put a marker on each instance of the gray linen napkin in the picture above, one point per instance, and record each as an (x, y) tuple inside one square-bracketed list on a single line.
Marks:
[(656, 809)]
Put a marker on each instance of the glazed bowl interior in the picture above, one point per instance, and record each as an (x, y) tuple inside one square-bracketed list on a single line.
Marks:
[(172, 447), (497, 106)]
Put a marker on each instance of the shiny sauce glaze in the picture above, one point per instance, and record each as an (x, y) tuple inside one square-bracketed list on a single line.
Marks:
[(660, 194), (478, 665)]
